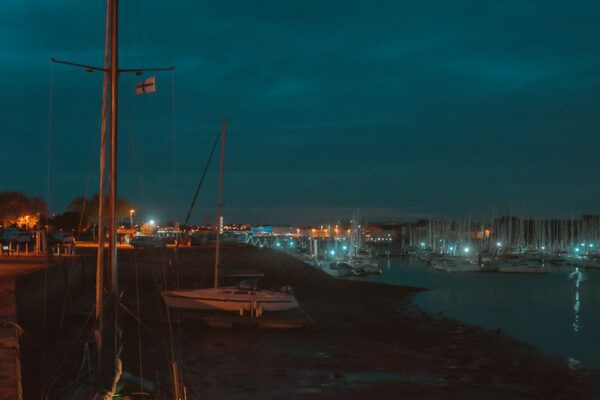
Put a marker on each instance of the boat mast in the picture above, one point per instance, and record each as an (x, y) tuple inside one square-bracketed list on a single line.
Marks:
[(101, 190), (112, 178), (111, 73), (218, 222)]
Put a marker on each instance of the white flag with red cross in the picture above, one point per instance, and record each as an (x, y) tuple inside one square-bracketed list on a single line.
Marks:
[(146, 86)]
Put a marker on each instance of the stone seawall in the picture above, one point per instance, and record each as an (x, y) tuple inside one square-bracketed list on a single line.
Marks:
[(33, 312)]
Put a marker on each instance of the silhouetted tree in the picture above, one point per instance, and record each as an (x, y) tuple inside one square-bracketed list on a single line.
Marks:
[(68, 221), (88, 207), (16, 208)]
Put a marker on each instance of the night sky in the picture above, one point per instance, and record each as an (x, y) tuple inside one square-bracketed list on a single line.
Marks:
[(402, 109)]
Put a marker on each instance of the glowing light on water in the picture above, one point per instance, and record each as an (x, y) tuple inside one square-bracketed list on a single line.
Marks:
[(579, 278)]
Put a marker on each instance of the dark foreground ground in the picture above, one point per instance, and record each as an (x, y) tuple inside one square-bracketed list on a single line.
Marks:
[(366, 341)]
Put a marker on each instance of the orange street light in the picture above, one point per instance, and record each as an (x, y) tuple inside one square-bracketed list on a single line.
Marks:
[(131, 218)]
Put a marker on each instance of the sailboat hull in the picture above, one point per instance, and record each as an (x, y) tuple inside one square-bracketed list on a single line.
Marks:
[(231, 299)]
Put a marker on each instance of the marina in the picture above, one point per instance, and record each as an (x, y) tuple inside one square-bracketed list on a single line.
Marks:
[(406, 209)]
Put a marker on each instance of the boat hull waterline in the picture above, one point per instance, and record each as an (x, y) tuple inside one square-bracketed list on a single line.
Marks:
[(226, 299)]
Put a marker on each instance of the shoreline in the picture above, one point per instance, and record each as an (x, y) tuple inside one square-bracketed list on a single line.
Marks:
[(367, 339)]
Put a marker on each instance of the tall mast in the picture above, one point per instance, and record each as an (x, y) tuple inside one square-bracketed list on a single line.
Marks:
[(101, 190), (218, 222), (112, 179), (111, 73)]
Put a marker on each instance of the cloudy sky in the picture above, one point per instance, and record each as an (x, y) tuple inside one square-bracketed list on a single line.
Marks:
[(399, 108)]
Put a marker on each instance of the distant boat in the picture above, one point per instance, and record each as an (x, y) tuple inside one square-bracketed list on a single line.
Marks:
[(338, 269), (360, 260), (242, 298), (455, 264), (364, 264), (517, 264)]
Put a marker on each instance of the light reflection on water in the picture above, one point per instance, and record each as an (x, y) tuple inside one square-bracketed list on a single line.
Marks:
[(559, 312)]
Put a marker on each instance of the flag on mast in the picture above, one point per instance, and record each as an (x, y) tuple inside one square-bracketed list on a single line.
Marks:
[(146, 86)]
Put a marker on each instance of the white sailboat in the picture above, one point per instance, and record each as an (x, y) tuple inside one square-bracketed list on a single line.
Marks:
[(243, 298)]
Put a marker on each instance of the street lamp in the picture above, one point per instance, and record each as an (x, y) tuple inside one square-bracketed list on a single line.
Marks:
[(131, 218)]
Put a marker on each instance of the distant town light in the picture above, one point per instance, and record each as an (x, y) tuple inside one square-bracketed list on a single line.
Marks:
[(577, 249), (451, 248), (344, 247), (499, 244), (467, 249), (543, 247), (591, 245), (151, 222), (332, 252), (422, 244), (278, 244)]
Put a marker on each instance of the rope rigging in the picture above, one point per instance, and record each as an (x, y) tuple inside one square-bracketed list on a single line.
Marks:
[(212, 152)]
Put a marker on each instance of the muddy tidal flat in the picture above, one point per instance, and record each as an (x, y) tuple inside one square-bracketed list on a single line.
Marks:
[(365, 340)]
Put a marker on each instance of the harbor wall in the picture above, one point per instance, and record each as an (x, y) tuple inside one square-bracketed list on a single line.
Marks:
[(9, 344), (41, 300)]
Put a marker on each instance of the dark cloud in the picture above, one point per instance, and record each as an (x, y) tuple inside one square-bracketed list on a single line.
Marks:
[(438, 108)]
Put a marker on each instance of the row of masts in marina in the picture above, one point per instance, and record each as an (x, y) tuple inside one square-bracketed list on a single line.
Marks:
[(505, 235)]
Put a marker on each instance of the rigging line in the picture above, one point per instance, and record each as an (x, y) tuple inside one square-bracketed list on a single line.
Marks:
[(212, 151), (174, 136), (45, 303), (175, 198), (50, 122), (51, 381), (129, 111), (137, 306), (168, 312), (88, 181), (146, 327)]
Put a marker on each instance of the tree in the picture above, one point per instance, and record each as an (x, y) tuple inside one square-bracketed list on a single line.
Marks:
[(18, 209), (68, 221), (88, 207)]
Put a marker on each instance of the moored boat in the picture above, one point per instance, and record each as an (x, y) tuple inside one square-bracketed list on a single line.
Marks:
[(242, 298), (456, 264), (516, 264)]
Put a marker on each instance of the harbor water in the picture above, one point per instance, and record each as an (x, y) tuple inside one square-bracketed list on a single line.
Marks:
[(558, 312)]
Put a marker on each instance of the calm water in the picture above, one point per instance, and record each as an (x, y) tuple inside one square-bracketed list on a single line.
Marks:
[(546, 310)]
